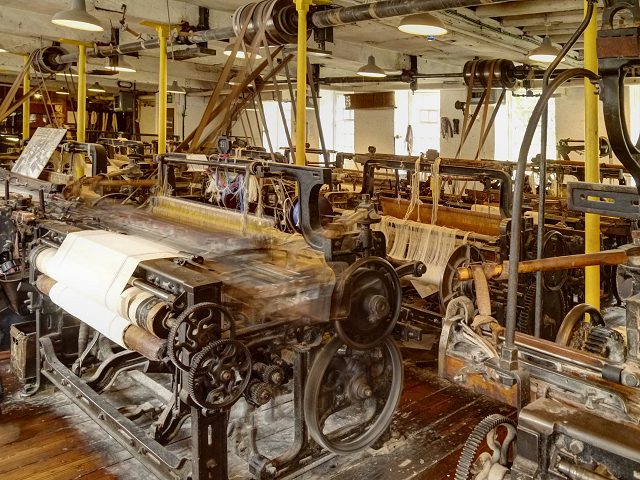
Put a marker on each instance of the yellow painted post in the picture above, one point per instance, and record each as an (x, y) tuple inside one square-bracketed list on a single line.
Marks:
[(163, 33), (26, 106), (302, 6), (81, 118), (592, 172)]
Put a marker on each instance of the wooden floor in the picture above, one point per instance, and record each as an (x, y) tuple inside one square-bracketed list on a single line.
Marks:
[(49, 437)]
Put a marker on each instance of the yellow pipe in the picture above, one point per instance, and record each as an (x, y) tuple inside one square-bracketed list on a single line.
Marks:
[(26, 106), (302, 6), (592, 172), (82, 93), (162, 94)]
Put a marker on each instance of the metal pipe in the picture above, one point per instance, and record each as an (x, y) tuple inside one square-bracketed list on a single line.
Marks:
[(326, 18), (516, 221), (221, 33), (542, 193), (162, 94), (591, 154), (148, 287), (386, 9), (574, 472), (388, 78), (302, 6), (82, 94), (26, 106)]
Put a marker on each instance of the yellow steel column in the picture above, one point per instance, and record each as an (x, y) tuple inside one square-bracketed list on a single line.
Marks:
[(302, 6), (26, 106), (82, 94), (162, 94), (592, 172)]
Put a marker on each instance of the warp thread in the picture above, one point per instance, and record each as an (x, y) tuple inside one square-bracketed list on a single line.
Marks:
[(430, 244), (415, 191)]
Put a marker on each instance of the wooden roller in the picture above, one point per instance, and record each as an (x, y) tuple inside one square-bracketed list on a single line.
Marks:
[(609, 257)]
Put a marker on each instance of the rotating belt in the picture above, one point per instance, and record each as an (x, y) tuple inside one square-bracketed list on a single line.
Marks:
[(468, 122)]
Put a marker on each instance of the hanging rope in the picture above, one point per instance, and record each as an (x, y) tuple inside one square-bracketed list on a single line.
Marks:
[(435, 189), (415, 190)]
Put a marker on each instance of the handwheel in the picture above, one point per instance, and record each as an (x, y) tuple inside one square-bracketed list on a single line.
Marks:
[(350, 395), (219, 374), (200, 325), (450, 285)]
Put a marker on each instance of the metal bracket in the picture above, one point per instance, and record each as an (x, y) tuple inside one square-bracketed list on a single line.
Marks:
[(612, 200), (150, 453), (618, 52)]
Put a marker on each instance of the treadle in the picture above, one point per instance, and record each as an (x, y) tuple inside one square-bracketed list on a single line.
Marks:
[(612, 200)]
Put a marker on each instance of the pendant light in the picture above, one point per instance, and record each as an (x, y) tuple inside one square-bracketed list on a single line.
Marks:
[(422, 24), (545, 52), (96, 87), (175, 88), (371, 69), (78, 18)]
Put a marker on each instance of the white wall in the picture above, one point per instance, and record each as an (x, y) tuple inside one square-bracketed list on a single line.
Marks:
[(449, 146), (374, 127), (570, 117)]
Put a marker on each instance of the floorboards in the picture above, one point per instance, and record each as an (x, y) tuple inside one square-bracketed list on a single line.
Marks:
[(47, 437)]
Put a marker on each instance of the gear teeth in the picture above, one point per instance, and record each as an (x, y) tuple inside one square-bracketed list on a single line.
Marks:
[(597, 341), (474, 441)]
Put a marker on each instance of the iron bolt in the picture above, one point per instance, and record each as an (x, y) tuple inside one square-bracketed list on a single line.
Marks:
[(576, 447)]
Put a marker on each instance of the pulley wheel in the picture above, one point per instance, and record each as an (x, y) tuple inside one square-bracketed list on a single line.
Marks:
[(450, 285), (350, 395), (374, 293), (46, 60)]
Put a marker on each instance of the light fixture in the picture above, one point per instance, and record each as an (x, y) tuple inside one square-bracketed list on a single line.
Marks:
[(175, 88), (96, 87), (117, 63), (78, 18), (239, 53), (545, 52), (63, 91), (371, 69), (38, 95), (2, 49), (12, 139), (422, 24)]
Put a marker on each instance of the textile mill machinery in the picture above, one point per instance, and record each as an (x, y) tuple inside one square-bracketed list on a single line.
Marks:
[(224, 322)]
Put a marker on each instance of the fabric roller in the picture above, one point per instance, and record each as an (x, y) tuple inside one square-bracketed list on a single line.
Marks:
[(109, 324), (91, 270)]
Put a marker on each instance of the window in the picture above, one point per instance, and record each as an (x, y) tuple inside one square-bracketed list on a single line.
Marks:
[(343, 126), (275, 126), (511, 124), (424, 118)]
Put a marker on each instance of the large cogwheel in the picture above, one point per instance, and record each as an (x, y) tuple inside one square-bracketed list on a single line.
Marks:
[(484, 431)]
